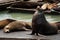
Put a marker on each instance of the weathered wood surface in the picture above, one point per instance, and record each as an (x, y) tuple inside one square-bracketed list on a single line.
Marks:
[(21, 9), (10, 2), (33, 10), (20, 35), (24, 35), (26, 4), (6, 4)]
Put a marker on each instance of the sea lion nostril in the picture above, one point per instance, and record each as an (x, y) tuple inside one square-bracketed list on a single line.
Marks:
[(7, 31)]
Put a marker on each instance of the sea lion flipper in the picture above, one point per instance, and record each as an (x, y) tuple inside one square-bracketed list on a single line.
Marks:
[(25, 29)]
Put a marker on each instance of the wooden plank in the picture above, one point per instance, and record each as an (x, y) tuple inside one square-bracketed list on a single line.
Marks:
[(8, 2), (33, 10), (20, 35)]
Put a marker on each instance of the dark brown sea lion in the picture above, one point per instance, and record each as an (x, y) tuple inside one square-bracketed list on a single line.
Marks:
[(40, 25)]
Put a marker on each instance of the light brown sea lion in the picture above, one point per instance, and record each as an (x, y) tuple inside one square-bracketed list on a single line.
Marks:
[(16, 25), (48, 6)]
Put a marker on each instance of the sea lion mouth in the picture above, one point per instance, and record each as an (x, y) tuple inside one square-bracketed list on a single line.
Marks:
[(6, 31)]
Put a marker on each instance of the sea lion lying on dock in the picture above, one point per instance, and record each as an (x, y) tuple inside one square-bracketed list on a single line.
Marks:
[(17, 26), (48, 6), (5, 22), (40, 25)]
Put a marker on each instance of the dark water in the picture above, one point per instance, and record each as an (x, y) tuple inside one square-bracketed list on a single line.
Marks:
[(26, 16)]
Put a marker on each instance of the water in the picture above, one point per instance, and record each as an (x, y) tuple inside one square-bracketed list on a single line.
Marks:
[(26, 16)]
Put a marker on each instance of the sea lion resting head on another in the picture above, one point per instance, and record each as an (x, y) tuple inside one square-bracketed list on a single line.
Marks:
[(17, 25)]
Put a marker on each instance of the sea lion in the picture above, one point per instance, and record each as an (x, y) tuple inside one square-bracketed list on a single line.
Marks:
[(48, 6), (16, 25), (40, 25), (51, 6), (5, 22), (44, 6)]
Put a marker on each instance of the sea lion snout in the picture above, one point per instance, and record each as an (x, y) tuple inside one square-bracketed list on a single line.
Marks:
[(6, 31)]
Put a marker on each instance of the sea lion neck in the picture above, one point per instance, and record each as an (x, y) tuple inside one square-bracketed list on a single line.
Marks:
[(39, 11), (41, 15)]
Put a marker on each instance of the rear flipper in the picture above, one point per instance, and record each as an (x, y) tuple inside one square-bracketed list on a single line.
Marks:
[(25, 29)]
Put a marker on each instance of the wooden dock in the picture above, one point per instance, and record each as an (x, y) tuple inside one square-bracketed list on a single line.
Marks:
[(4, 2), (24, 35), (7, 2), (20, 35), (21, 9)]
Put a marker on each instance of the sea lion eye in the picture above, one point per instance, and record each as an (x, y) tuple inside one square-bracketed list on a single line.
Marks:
[(7, 28)]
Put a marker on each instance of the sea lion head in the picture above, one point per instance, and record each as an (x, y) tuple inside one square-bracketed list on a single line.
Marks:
[(39, 9), (6, 29)]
